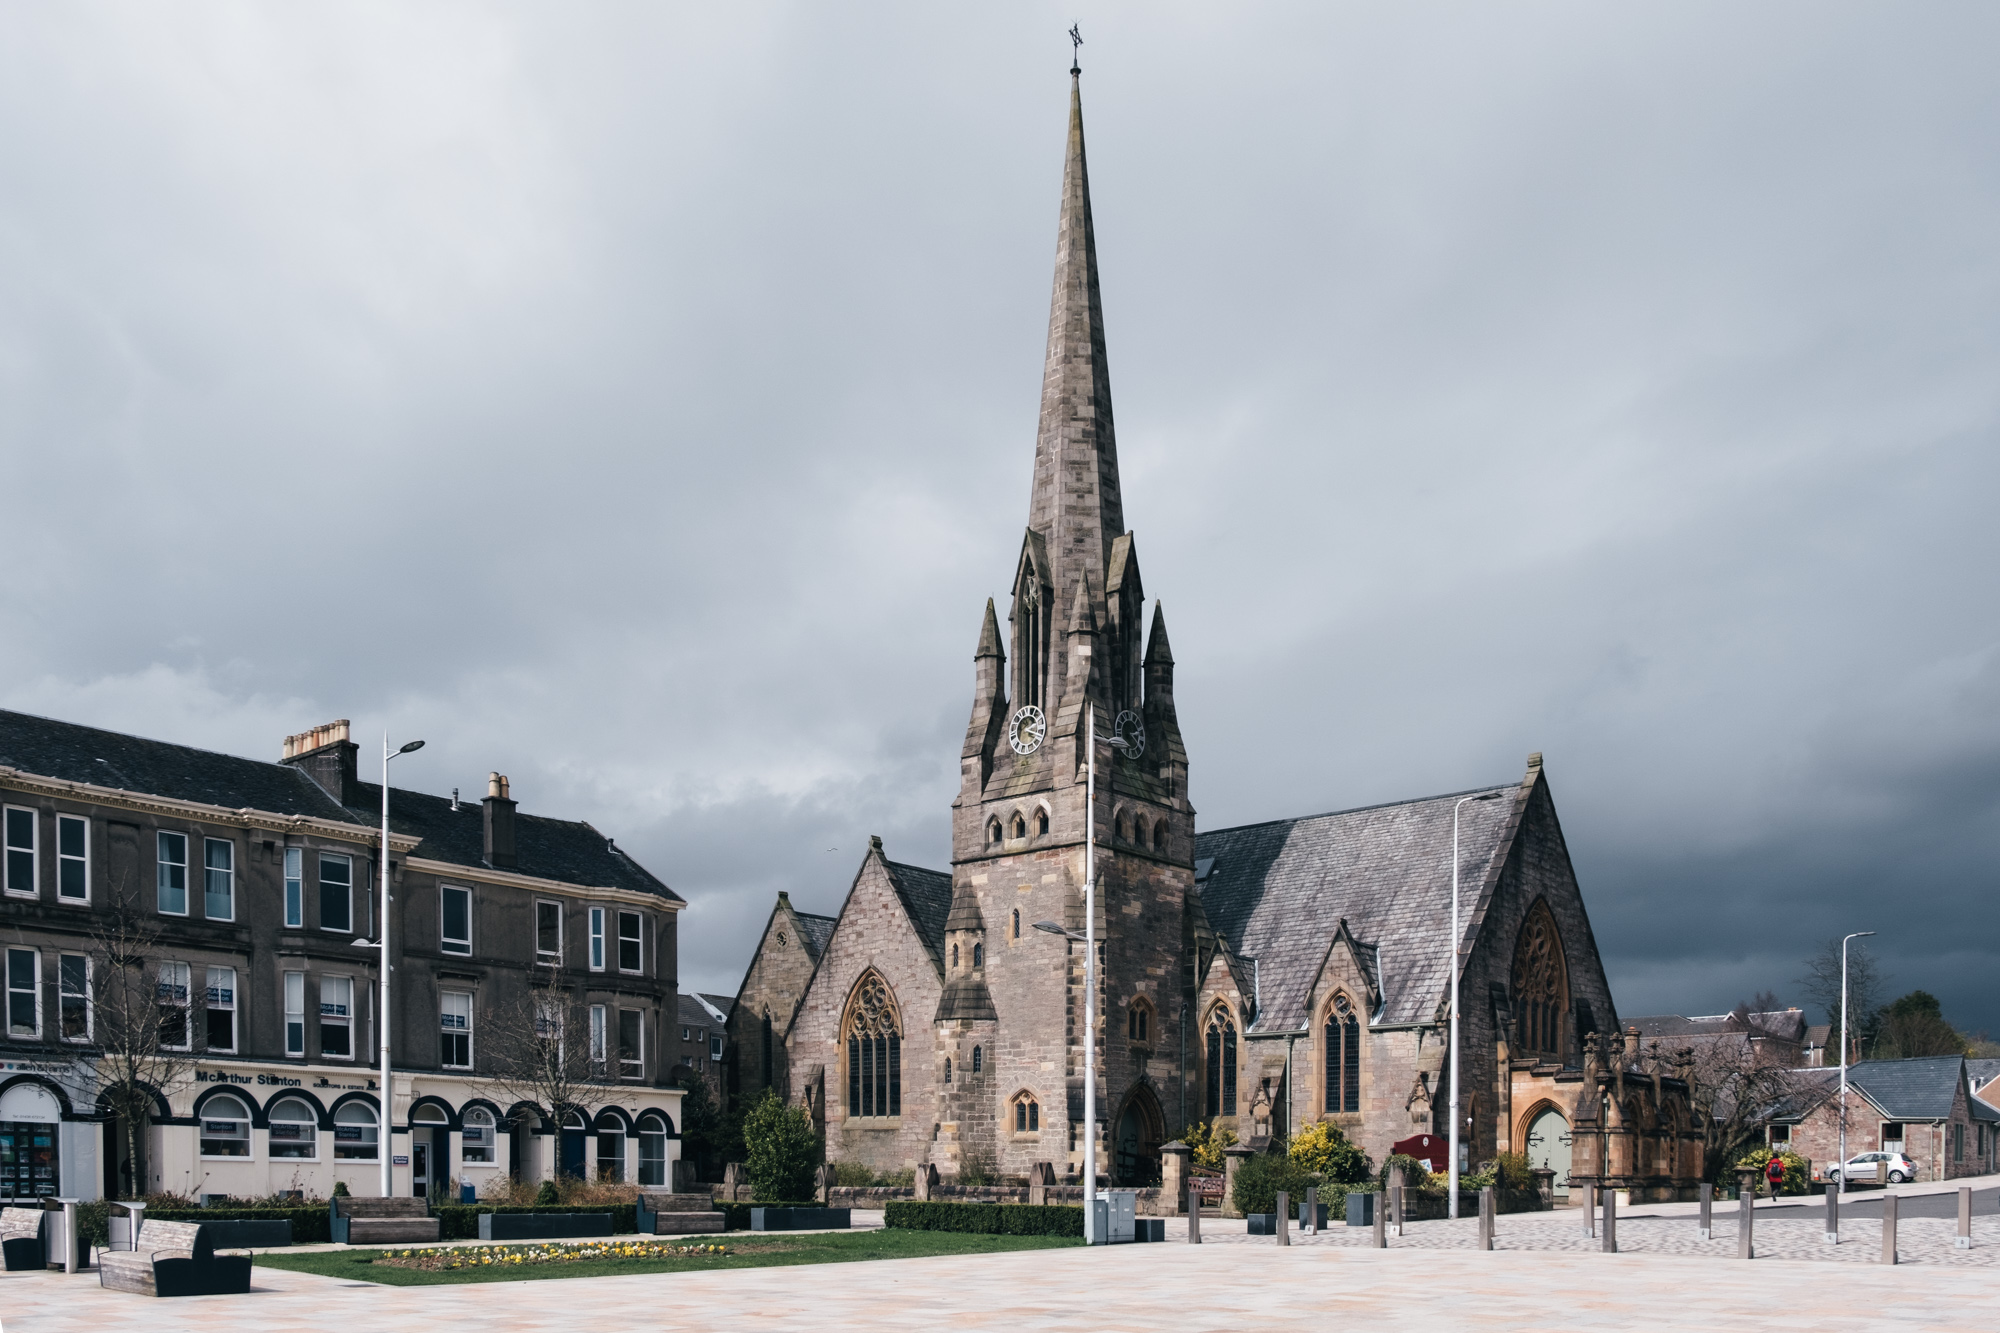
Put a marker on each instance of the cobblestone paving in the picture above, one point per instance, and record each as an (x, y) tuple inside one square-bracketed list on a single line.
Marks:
[(1921, 1240)]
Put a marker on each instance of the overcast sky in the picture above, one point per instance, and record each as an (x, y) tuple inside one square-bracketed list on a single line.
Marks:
[(640, 400)]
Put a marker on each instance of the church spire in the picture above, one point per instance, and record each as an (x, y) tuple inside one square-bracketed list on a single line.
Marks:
[(1076, 505)]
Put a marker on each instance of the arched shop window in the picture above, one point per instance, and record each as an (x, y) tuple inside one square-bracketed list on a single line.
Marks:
[(295, 1129), (225, 1128), (477, 1136), (610, 1148), (354, 1133), (652, 1149)]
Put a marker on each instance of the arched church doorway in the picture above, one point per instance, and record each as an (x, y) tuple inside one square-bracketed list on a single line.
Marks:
[(1548, 1146), (1135, 1151)]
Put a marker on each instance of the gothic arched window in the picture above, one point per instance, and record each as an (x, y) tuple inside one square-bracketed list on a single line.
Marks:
[(993, 833), (947, 1069), (874, 1050), (1041, 823), (1342, 1057), (1541, 984), (954, 955), (1017, 923), (979, 955), (1139, 1020), (1221, 1063), (978, 1060), (1019, 828), (1160, 836), (1121, 827)]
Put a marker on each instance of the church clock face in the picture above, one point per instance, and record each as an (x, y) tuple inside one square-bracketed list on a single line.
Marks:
[(1025, 732), (1133, 732)]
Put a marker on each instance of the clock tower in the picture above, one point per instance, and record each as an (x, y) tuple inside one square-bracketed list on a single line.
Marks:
[(1076, 638)]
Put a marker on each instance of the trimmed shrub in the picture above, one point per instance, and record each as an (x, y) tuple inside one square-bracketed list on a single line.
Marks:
[(985, 1219), (736, 1216), (1259, 1178), (546, 1197), (1795, 1169), (460, 1221), (781, 1148), (309, 1225)]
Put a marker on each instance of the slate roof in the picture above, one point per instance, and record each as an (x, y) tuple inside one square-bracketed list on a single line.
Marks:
[(1277, 892), (1982, 1072), (1918, 1089), (112, 759), (724, 1003), (566, 850), (569, 851), (814, 932), (1784, 1024), (692, 1014), (926, 896)]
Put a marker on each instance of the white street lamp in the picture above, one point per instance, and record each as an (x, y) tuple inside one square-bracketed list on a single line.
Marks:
[(1859, 934), (382, 1020), (1089, 941), (1453, 1149)]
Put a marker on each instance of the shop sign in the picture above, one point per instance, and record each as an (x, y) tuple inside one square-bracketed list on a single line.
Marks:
[(399, 1161), (244, 1080)]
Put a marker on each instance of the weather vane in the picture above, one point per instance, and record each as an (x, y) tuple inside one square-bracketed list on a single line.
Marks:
[(1075, 41)]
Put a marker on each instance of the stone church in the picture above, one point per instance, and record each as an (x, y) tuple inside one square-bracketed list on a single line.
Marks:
[(1262, 977)]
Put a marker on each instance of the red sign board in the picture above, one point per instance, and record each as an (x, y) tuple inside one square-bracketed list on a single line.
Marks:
[(1430, 1149)]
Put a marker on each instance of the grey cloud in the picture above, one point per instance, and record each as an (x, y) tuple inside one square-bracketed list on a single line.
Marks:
[(640, 401)]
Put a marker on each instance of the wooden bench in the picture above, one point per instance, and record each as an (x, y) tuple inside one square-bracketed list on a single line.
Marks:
[(663, 1214), (173, 1259), (392, 1221), (21, 1239)]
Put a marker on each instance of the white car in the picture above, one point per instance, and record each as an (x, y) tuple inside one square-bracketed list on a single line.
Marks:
[(1865, 1166)]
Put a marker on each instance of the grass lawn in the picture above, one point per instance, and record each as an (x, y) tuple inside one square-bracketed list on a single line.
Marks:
[(746, 1250)]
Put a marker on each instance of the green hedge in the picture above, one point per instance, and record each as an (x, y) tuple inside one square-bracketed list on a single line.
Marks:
[(460, 1221), (986, 1219), (736, 1216), (309, 1225)]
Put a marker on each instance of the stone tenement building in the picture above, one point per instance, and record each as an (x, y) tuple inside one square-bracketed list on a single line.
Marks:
[(243, 888), (1262, 977)]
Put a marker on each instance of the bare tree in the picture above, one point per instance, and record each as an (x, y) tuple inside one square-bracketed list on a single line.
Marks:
[(1736, 1086), (141, 1024), (541, 1048), (1867, 987)]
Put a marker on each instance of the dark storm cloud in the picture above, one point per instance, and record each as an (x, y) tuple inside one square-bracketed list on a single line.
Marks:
[(640, 400)]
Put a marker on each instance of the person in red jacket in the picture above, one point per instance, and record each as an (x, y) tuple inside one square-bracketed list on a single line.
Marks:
[(1774, 1171)]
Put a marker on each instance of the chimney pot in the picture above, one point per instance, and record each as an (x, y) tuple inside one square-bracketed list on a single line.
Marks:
[(499, 823)]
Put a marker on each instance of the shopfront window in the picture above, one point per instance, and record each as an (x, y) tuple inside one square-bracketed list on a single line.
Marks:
[(610, 1148), (225, 1128), (28, 1159), (477, 1136), (355, 1133), (294, 1129), (652, 1149)]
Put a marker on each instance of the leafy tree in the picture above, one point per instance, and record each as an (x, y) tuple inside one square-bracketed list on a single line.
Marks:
[(707, 1135), (1913, 1026), (781, 1150), (1326, 1152)]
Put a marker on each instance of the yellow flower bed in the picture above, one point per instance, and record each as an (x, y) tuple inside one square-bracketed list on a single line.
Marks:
[(487, 1256)]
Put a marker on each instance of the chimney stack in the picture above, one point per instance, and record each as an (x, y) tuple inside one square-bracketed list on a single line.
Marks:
[(329, 758), (499, 823)]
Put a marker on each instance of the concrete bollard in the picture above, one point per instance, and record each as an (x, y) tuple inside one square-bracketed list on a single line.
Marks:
[(1311, 1227), (1381, 1224), (1284, 1218), (1486, 1217), (1590, 1210), (1746, 1218), (1833, 1212), (1707, 1227), (1888, 1228), (1193, 1214), (1610, 1245), (1964, 1239)]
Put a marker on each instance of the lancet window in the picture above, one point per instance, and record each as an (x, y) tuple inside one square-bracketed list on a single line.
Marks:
[(1221, 1064), (1343, 1057), (1541, 984)]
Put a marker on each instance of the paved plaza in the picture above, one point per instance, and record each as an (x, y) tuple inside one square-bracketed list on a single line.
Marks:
[(1139, 1287)]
